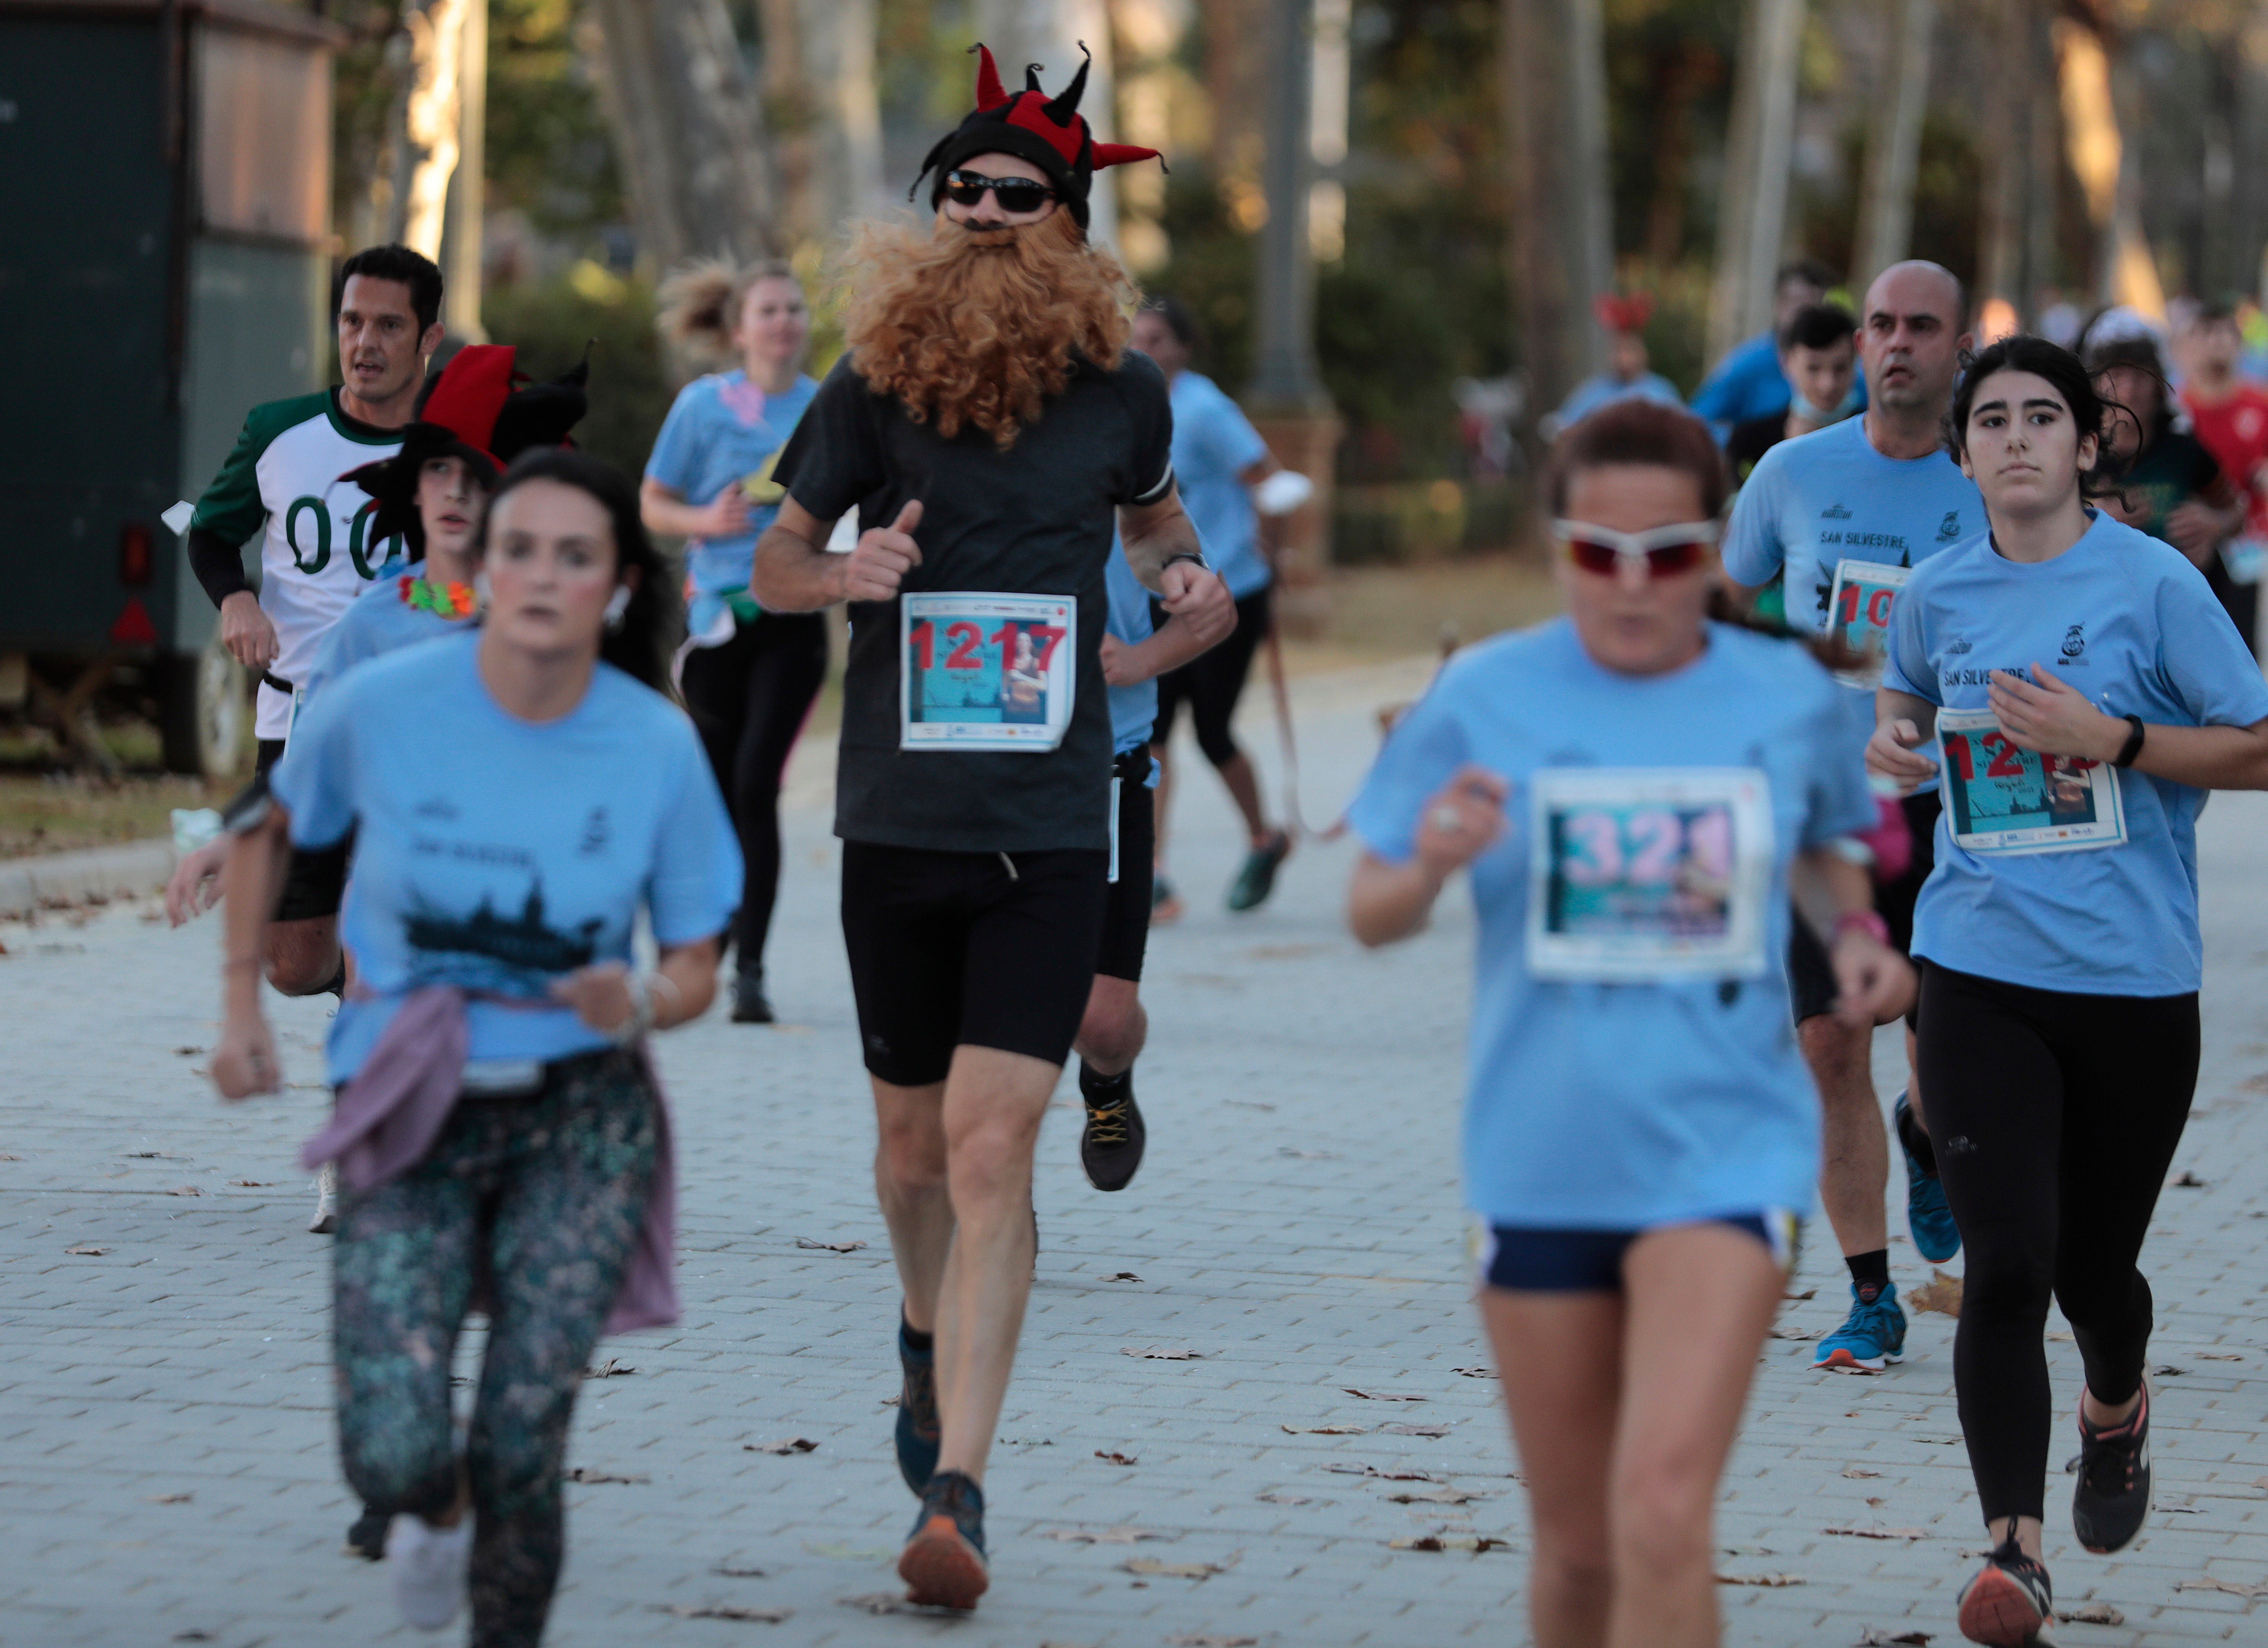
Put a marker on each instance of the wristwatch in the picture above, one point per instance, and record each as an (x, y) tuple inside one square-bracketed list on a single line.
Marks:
[(1195, 556), (2132, 746)]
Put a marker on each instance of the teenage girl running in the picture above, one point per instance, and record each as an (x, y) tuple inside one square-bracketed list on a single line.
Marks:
[(2103, 693)]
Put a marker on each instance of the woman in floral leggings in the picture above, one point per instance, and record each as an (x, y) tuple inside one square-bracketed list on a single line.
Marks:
[(518, 793)]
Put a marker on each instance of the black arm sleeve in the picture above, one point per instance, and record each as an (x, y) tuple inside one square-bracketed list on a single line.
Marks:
[(218, 563)]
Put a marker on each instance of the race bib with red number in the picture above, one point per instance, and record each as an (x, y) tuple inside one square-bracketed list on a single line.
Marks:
[(1859, 615), (986, 671), (2000, 800), (1648, 874)]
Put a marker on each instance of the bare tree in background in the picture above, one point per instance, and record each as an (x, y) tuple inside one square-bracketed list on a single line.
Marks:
[(2106, 169), (687, 128), (1886, 204), (1554, 100), (1752, 222), (824, 117)]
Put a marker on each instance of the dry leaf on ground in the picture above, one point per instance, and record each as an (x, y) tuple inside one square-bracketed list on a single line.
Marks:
[(584, 1474), (1940, 1293), (1807, 1293), (877, 1603), (1124, 1533), (2167, 1370), (843, 1551), (613, 1367), (732, 1570), (1329, 1429), (1300, 1155), (2233, 1586), (828, 1246), (1474, 1542), (1373, 1395), (1444, 1494), (1348, 1467), (1162, 1353), (2185, 1179), (1414, 1429), (1475, 1372), (2219, 1356), (1852, 1470), (252, 1184), (179, 1498), (1284, 1499), (1150, 1567), (186, 1189), (1875, 1531), (1902, 1639), (149, 1155), (2092, 1613), (87, 1250), (1117, 1459), (793, 1445), (726, 1611), (1123, 1276), (1792, 1333), (1775, 1580), (1210, 1642)]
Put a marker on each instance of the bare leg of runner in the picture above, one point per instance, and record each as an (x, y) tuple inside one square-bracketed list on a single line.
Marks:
[(967, 1266), (1855, 1153), (303, 956)]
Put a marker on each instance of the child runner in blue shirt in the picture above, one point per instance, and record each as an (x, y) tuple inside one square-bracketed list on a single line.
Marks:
[(750, 676), (1639, 792), (2082, 689), (519, 792)]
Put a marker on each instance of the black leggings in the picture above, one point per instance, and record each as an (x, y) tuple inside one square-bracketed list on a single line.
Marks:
[(1212, 682), (749, 698), (2055, 1117)]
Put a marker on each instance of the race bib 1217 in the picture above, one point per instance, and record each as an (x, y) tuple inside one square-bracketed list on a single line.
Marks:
[(986, 671), (2002, 799), (1639, 874), (1858, 614)]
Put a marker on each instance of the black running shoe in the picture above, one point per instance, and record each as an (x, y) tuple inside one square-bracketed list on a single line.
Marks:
[(366, 1539), (2008, 1601), (2113, 1495), (1257, 880), (1110, 1146), (919, 1428), (750, 1005), (943, 1564)]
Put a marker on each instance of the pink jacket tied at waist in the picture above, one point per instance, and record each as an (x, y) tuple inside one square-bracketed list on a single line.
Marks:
[(388, 1116)]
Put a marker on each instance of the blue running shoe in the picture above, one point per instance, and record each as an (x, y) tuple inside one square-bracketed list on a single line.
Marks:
[(1935, 1236), (1872, 1336)]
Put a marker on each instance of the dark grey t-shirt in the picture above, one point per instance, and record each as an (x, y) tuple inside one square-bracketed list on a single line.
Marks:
[(1036, 519)]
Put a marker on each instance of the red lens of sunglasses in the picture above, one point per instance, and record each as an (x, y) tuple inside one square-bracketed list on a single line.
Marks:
[(1661, 561)]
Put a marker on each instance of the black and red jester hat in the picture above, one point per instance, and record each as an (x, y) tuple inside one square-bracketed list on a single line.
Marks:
[(1049, 132)]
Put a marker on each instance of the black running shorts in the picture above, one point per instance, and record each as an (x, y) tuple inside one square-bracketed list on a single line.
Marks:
[(1811, 984), (950, 949), (314, 882), (1126, 909)]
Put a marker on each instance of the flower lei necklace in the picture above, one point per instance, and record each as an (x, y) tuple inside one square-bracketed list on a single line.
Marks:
[(446, 600)]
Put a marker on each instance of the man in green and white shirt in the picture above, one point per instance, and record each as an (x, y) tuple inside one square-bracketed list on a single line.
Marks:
[(282, 482)]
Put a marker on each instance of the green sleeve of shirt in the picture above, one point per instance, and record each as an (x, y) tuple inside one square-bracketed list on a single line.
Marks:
[(231, 505)]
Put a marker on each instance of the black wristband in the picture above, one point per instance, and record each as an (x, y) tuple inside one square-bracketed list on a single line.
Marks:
[(1192, 555), (2132, 746)]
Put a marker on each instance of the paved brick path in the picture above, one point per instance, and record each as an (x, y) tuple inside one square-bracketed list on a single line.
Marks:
[(167, 1468)]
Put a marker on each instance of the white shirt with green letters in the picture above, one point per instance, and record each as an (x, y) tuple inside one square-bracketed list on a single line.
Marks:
[(282, 481)]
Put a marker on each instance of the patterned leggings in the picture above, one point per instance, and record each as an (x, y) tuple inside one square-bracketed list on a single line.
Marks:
[(538, 1204)]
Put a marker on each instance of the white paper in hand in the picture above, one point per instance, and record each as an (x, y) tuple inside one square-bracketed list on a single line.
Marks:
[(179, 516)]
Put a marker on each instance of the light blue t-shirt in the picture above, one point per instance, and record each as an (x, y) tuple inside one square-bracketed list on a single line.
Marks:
[(721, 429), (495, 855), (1747, 383), (381, 621), (1626, 1106), (2127, 620), (1605, 389), (1214, 443), (1828, 496), (1133, 709)]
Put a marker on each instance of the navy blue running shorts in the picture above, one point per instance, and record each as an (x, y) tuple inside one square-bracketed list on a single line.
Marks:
[(1531, 1258)]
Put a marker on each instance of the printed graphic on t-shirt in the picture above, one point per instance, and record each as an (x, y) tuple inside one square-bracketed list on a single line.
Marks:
[(484, 949), (1649, 873), (2008, 800), (987, 672), (1859, 609)]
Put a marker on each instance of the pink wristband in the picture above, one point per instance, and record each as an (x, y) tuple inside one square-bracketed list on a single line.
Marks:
[(1869, 921)]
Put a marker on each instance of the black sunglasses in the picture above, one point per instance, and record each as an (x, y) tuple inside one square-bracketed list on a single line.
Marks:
[(1014, 193)]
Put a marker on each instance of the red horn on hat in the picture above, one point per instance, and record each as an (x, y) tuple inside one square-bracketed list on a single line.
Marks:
[(990, 92), (1119, 154)]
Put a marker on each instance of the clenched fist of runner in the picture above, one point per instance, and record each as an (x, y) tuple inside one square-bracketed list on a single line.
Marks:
[(884, 555)]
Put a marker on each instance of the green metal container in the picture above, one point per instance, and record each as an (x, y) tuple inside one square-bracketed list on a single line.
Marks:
[(164, 248)]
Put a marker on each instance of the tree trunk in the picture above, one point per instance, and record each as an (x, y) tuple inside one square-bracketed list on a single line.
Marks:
[(1049, 32), (687, 127), (1677, 79), (462, 263), (2006, 135), (1554, 93), (1752, 214), (1894, 146), (1235, 85), (2124, 272), (431, 117), (838, 55)]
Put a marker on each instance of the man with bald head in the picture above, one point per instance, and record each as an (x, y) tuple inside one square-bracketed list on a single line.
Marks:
[(1845, 513)]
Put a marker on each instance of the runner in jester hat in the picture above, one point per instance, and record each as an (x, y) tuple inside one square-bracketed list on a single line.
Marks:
[(990, 425)]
